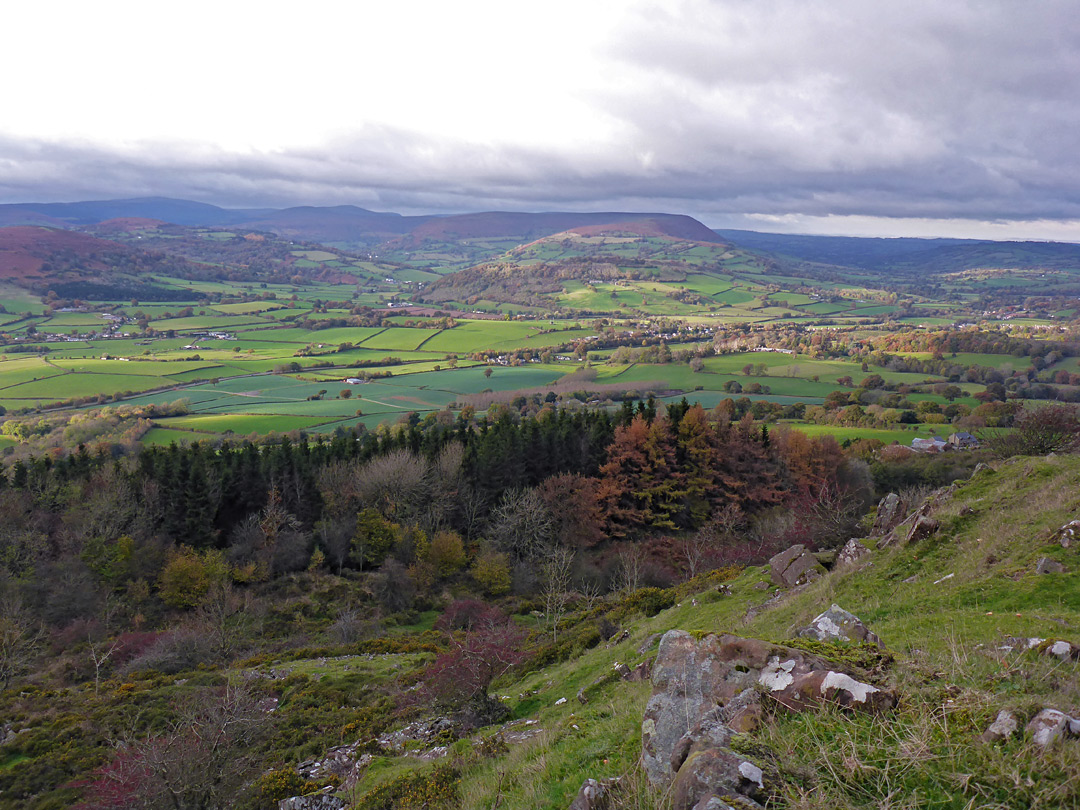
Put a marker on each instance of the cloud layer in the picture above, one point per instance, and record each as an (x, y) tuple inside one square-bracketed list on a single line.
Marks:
[(726, 110)]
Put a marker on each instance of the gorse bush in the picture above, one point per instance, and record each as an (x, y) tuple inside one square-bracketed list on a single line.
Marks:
[(436, 789)]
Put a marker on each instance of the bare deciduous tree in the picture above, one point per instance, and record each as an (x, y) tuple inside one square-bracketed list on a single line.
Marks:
[(201, 761), (521, 524), (697, 548), (555, 573), (217, 617), (631, 560), (20, 637)]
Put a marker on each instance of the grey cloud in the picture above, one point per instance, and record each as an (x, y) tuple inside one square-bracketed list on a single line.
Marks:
[(914, 109)]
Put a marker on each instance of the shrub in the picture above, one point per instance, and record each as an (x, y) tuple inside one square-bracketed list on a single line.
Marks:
[(649, 601), (188, 576), (130, 646), (1037, 432), (434, 789), (459, 678), (272, 787), (181, 650), (491, 570), (393, 587), (445, 552)]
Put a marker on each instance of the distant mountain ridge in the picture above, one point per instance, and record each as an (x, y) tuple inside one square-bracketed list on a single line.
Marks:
[(908, 254), (484, 235), (347, 223), (179, 212)]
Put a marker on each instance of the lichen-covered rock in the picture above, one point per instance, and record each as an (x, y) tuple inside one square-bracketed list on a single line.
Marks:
[(1003, 727), (692, 678), (1047, 726), (688, 678), (891, 510), (1061, 650), (794, 566), (851, 553), (712, 803), (595, 795), (1045, 565), (642, 672), (806, 690), (716, 772), (710, 732), (1068, 535), (318, 801), (743, 713), (837, 624), (922, 528)]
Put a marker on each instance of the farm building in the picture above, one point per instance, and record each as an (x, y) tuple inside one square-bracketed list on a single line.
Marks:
[(963, 441), (933, 445)]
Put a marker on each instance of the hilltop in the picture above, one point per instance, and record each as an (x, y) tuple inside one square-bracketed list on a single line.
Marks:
[(25, 250)]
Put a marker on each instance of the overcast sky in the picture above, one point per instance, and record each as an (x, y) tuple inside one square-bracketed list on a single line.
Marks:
[(877, 118)]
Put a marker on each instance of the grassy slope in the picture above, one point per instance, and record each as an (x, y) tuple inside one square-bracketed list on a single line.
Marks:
[(951, 675)]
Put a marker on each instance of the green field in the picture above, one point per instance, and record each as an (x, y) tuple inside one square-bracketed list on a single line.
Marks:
[(239, 423), (165, 436), (886, 436)]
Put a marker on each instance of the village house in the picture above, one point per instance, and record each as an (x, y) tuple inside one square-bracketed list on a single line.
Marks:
[(963, 441)]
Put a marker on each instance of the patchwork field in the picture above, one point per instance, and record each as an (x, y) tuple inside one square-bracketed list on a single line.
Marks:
[(249, 357)]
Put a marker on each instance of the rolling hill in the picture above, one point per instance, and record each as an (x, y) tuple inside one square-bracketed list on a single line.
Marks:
[(916, 257), (26, 250)]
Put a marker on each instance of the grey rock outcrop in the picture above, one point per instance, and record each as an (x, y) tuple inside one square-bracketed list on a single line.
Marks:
[(1058, 648), (794, 566), (851, 553), (403, 740), (1047, 726), (642, 672), (1003, 727), (717, 773), (317, 801), (922, 528), (837, 624), (1062, 650), (891, 510), (595, 795), (1068, 535), (1045, 565), (712, 803), (918, 524), (710, 732), (743, 713), (692, 678), (688, 678)]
